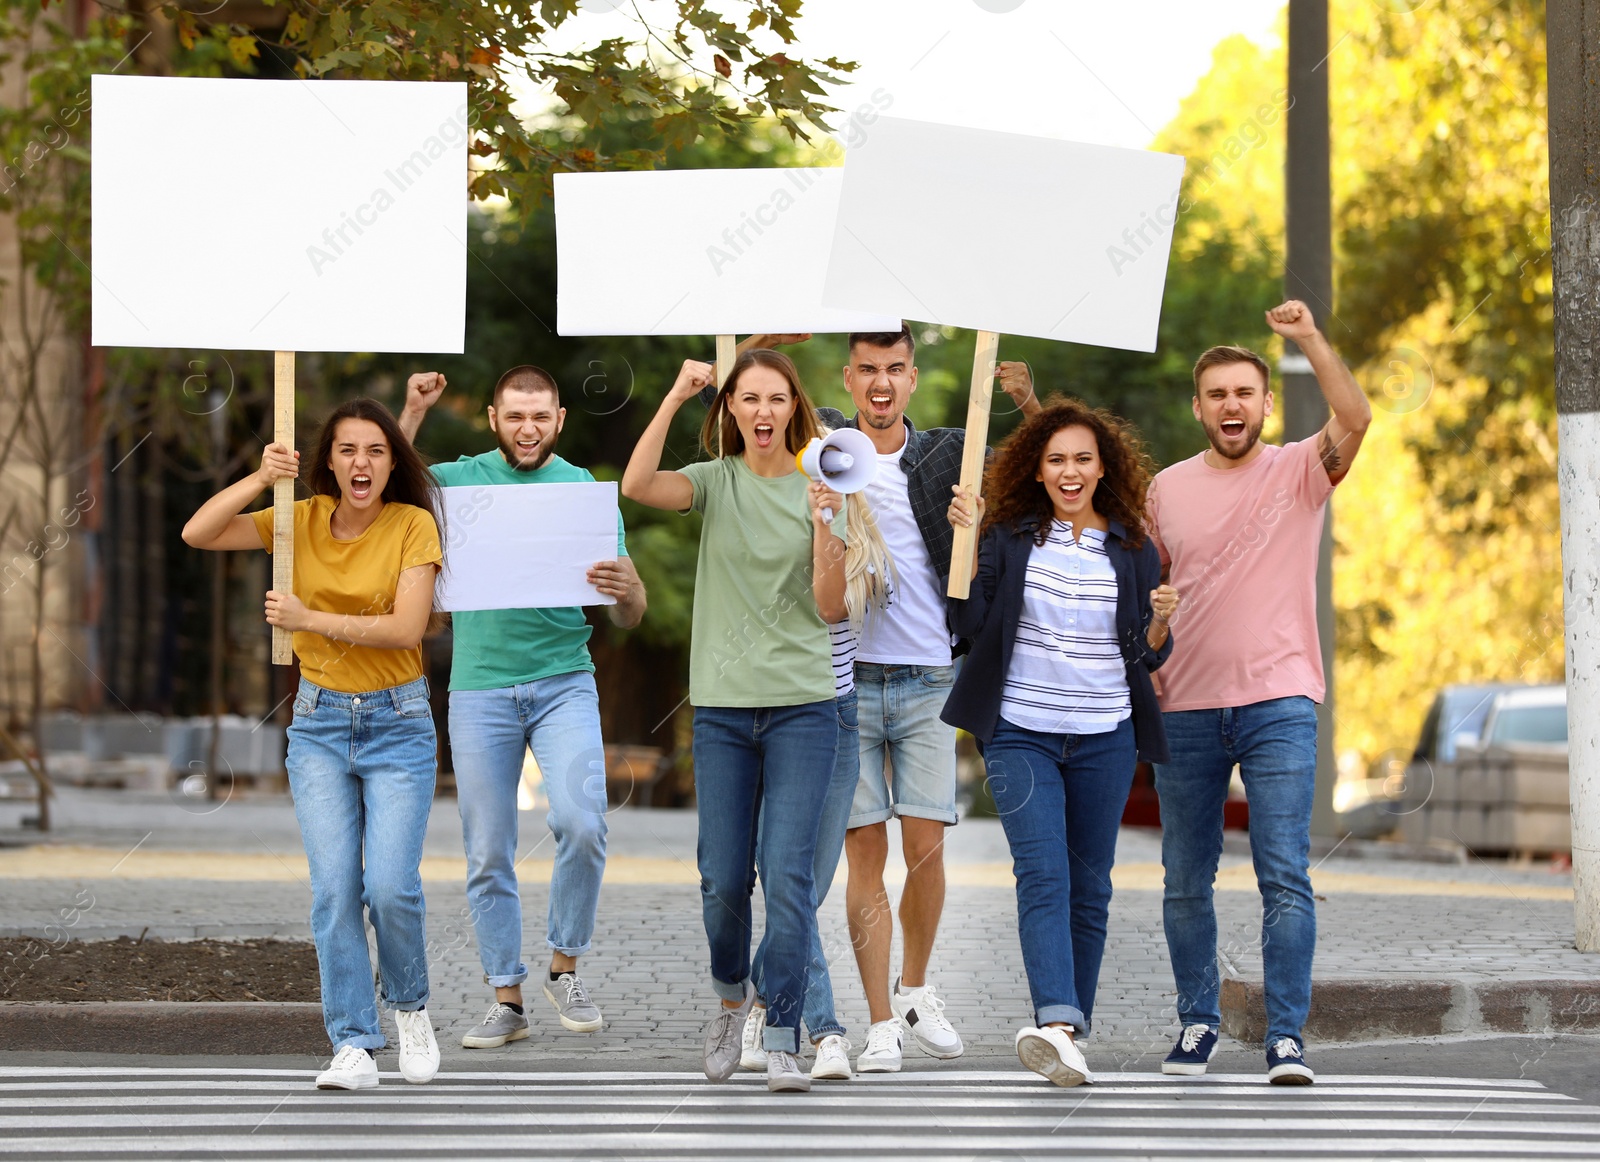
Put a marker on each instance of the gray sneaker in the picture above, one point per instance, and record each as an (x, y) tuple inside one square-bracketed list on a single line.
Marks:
[(784, 1074), (572, 1003), (725, 1035), (501, 1025)]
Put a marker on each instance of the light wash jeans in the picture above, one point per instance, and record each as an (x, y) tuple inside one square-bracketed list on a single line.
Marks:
[(490, 730), (818, 1011), (899, 715), (761, 777), (1060, 799), (1275, 745), (361, 768)]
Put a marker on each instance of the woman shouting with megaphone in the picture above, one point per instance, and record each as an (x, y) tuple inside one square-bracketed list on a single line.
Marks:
[(770, 579)]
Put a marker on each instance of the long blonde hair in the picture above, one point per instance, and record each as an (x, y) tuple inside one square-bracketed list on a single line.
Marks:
[(869, 573)]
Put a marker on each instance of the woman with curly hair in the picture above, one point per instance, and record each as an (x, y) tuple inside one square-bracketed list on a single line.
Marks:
[(1067, 619)]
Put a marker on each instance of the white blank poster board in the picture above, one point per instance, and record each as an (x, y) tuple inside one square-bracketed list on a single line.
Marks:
[(1001, 232), (279, 215), (698, 252), (526, 546)]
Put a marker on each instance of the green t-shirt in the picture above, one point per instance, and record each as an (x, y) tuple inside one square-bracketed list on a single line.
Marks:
[(496, 648), (757, 639)]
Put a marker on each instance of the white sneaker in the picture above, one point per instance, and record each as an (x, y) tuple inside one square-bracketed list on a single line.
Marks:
[(923, 1014), (419, 1053), (351, 1068), (882, 1054), (752, 1050), (784, 1074), (1052, 1054), (833, 1059)]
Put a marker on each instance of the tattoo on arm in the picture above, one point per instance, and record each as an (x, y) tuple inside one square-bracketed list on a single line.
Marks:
[(1329, 452)]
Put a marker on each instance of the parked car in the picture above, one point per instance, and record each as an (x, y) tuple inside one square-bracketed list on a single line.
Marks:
[(1535, 714), (1395, 786), (1456, 716)]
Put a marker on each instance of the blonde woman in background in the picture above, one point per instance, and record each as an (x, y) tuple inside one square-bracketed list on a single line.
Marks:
[(869, 581)]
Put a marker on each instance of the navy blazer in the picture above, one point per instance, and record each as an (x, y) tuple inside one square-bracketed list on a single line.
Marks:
[(989, 616)]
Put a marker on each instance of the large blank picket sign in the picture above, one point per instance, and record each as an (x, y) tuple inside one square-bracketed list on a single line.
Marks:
[(698, 252), (1006, 233), (1003, 234), (279, 216)]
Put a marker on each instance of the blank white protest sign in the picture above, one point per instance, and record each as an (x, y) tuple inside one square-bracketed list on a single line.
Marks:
[(698, 252), (526, 546), (1006, 233), (279, 215)]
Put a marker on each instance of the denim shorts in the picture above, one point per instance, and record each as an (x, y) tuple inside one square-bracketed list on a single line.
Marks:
[(898, 708)]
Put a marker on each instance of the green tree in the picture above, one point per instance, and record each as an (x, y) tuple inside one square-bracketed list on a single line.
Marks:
[(703, 67)]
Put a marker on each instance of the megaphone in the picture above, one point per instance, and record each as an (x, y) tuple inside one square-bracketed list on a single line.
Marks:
[(845, 460)]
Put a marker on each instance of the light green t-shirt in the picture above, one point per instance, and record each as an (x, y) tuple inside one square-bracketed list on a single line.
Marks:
[(757, 639), (496, 648)]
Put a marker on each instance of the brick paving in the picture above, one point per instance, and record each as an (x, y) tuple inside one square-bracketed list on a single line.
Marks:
[(647, 970)]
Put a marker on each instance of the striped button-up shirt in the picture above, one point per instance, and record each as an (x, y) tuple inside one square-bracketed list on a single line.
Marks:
[(1066, 674)]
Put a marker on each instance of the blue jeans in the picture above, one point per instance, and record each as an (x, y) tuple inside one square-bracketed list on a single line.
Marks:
[(1275, 745), (361, 768), (1060, 798), (490, 731), (761, 777), (818, 1012)]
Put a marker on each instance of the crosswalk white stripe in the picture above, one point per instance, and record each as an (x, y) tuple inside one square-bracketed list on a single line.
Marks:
[(815, 1141), (783, 1113), (932, 1076), (1278, 1102), (393, 1088)]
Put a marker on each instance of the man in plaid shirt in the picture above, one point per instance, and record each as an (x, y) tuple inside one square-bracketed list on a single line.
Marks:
[(904, 669)]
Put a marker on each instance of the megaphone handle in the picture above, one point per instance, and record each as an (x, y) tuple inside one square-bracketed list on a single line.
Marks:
[(827, 515)]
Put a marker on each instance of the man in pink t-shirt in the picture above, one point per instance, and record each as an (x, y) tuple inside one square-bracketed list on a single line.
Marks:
[(1238, 528)]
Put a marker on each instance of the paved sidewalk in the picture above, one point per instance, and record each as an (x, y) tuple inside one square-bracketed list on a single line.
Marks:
[(116, 871)]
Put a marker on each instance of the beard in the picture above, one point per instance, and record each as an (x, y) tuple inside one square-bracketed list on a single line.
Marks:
[(1252, 433), (547, 449)]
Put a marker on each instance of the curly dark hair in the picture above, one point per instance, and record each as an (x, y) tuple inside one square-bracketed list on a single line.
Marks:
[(1013, 493)]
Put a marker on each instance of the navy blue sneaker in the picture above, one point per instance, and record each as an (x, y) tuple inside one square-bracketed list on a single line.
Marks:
[(1194, 1050), (1286, 1063)]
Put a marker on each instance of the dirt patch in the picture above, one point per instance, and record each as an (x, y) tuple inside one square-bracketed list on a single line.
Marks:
[(158, 970)]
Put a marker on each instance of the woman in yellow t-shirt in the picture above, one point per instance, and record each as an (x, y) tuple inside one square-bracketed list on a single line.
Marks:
[(362, 751)]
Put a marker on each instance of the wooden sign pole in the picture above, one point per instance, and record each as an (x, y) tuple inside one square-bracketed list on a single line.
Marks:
[(283, 499), (983, 372), (727, 352)]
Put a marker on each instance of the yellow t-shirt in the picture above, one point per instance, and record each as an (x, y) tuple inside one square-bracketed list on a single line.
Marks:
[(357, 576)]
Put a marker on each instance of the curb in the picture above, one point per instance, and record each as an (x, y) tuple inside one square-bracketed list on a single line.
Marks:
[(167, 1027), (1368, 1010)]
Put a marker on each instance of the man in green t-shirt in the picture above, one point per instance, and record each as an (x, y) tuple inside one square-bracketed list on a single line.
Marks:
[(520, 679)]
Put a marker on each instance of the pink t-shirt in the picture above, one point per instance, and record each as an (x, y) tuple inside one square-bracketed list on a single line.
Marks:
[(1242, 544)]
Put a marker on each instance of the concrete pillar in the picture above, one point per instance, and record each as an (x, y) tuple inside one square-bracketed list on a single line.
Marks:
[(1573, 45)]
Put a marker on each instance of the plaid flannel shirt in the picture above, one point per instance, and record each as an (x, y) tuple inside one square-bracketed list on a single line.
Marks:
[(932, 464)]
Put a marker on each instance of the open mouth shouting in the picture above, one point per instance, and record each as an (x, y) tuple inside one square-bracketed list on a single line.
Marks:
[(528, 449), (763, 432), (360, 486), (1071, 493), (881, 403), (1232, 429)]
